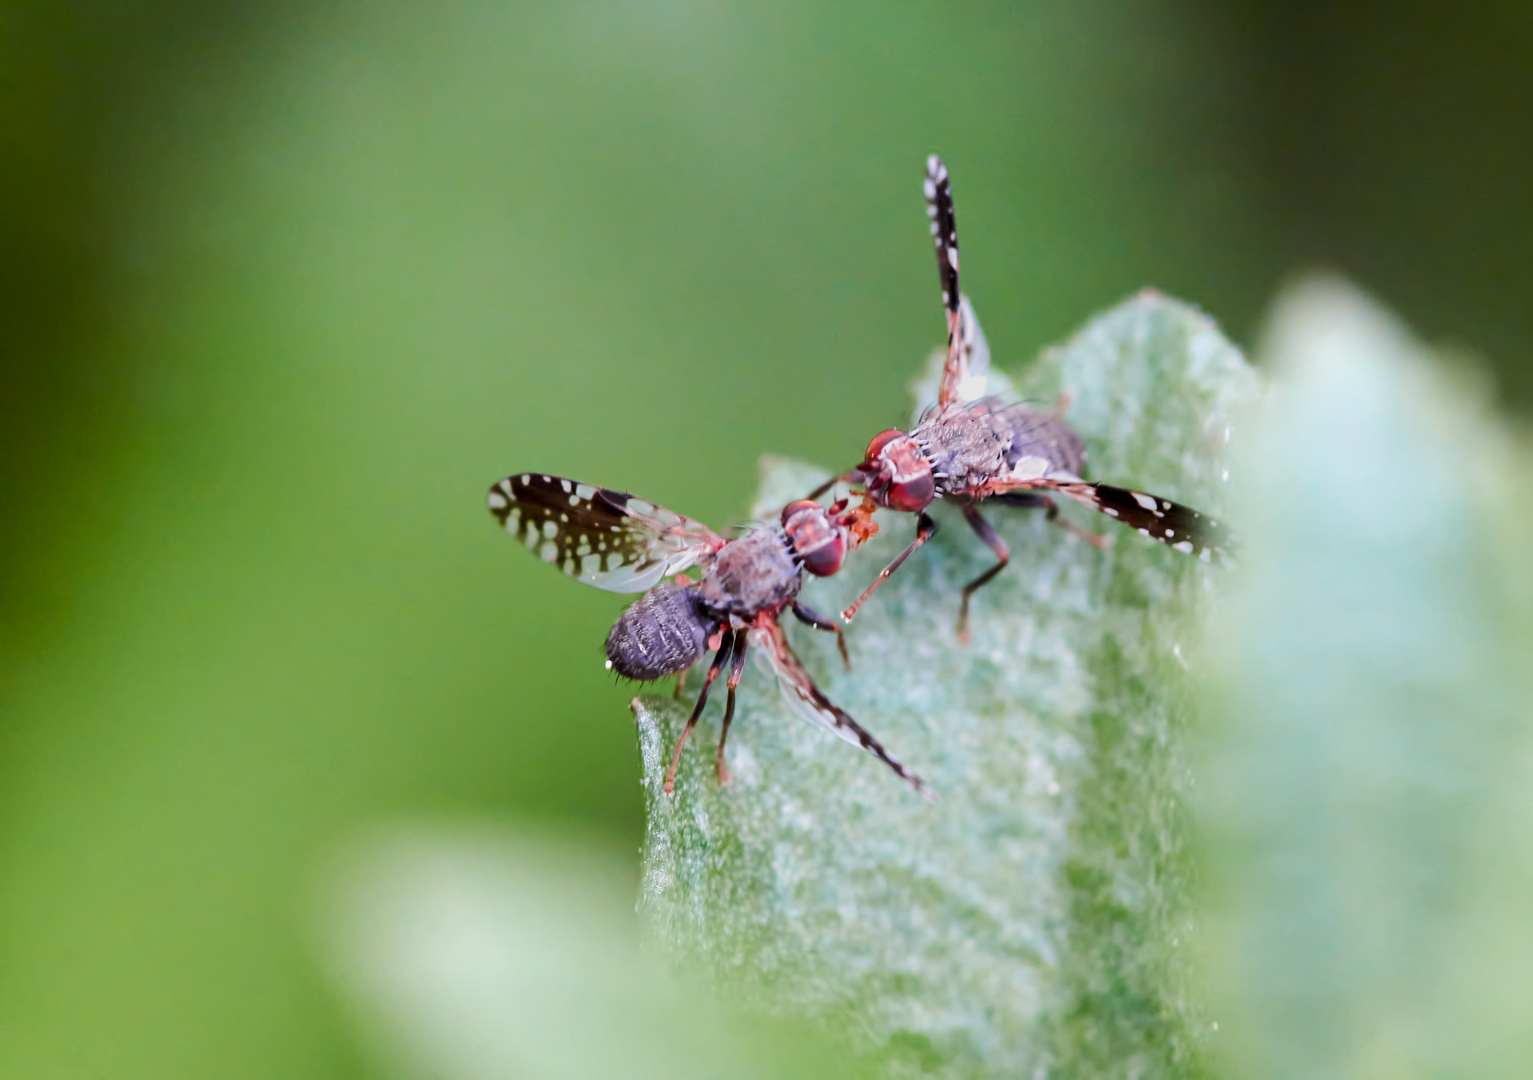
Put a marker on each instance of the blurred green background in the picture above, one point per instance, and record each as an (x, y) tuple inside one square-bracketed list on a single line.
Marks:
[(287, 286)]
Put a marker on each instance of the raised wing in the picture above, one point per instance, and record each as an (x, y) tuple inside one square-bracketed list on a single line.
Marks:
[(973, 376), (939, 207), (944, 224), (601, 537), (806, 699)]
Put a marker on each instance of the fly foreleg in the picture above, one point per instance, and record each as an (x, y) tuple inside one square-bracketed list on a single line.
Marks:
[(853, 477), (926, 528)]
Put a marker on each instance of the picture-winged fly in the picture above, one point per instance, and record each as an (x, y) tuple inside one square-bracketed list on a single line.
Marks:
[(621, 543), (970, 448)]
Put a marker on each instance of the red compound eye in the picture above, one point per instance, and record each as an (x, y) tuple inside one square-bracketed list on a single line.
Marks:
[(824, 558), (797, 507), (913, 495), (817, 541), (876, 447)]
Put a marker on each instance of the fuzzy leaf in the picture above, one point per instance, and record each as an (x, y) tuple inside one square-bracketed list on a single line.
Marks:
[(1367, 810), (1032, 918), (480, 953)]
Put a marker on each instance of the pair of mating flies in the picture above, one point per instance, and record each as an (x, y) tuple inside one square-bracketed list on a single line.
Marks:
[(967, 448)]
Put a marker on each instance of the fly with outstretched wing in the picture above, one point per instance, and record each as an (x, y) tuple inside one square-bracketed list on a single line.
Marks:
[(622, 543), (601, 537)]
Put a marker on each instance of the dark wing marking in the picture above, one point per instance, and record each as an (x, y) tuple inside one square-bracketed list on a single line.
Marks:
[(807, 700), (601, 537), (944, 225), (939, 207), (1173, 524)]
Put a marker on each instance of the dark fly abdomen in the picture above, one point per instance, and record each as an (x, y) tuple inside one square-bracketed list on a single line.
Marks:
[(753, 574), (662, 632), (975, 449)]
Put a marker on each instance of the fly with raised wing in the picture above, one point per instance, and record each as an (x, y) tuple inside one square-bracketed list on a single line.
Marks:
[(617, 542), (971, 448)]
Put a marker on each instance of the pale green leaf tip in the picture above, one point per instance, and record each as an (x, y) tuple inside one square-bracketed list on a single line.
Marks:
[(1031, 919), (1365, 810)]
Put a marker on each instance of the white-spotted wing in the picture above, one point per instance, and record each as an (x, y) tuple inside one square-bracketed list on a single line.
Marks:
[(939, 207), (810, 703), (601, 537), (956, 380), (964, 375), (1173, 524)]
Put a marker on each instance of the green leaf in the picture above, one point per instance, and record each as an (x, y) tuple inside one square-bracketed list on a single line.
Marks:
[(1367, 813), (476, 953), (1034, 917)]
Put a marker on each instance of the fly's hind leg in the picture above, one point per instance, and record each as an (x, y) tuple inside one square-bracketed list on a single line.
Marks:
[(809, 617), (1031, 500), (719, 659), (736, 669), (993, 541)]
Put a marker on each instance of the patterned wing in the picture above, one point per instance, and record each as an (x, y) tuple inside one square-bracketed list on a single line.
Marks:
[(944, 225), (939, 207), (810, 703), (603, 538), (1173, 524)]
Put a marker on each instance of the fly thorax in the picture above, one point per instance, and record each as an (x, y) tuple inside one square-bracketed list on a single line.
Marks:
[(963, 447), (752, 574)]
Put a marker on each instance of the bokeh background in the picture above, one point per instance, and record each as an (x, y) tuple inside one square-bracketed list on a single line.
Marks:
[(285, 287)]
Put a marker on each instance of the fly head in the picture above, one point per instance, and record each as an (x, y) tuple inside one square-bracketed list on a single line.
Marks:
[(897, 472), (817, 540)]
